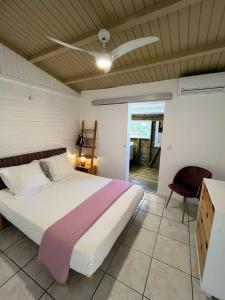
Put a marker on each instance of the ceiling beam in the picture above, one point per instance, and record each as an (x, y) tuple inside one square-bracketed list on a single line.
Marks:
[(139, 17), (207, 50)]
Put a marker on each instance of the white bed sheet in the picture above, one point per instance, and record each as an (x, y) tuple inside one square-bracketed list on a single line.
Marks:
[(34, 214)]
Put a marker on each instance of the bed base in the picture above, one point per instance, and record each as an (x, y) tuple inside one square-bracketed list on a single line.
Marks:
[(64, 284), (1, 222)]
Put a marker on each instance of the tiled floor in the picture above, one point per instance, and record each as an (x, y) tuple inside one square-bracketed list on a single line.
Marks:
[(144, 176), (154, 258)]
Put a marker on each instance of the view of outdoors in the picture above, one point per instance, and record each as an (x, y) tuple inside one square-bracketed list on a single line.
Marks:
[(140, 129)]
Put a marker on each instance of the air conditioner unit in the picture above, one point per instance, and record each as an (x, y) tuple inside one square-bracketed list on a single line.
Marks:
[(202, 84)]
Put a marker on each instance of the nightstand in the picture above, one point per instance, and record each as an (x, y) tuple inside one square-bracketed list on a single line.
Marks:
[(87, 169)]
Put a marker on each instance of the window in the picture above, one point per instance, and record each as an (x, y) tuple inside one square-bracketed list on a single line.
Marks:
[(140, 129)]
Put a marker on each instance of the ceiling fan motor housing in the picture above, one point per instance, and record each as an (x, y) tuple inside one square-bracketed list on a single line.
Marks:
[(104, 35)]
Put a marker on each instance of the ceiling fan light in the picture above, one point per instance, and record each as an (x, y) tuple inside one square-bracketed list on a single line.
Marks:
[(104, 64)]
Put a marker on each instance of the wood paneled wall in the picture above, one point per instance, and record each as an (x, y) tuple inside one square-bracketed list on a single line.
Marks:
[(33, 118), (15, 66)]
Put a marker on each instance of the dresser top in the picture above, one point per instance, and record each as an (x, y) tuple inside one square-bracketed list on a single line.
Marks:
[(216, 189)]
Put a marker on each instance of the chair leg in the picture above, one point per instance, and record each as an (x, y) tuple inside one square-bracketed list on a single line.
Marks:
[(168, 200), (184, 208)]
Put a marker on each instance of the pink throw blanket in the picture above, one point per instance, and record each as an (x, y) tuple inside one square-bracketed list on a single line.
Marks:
[(59, 239)]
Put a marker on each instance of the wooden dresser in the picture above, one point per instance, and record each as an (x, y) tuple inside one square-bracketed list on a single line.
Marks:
[(210, 238)]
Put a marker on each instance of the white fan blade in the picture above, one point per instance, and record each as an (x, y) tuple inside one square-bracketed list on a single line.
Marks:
[(93, 53), (132, 45)]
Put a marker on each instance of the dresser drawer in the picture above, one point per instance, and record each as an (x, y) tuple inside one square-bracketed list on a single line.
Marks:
[(202, 242), (201, 254), (209, 205), (206, 218), (210, 238), (204, 226)]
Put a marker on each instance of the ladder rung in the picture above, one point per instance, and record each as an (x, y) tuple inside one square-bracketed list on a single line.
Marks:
[(87, 146)]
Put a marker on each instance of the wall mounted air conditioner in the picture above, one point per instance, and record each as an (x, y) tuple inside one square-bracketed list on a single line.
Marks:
[(202, 84)]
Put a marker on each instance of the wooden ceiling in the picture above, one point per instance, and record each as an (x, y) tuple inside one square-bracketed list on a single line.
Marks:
[(191, 32)]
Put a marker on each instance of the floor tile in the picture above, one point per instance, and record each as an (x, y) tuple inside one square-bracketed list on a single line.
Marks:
[(167, 283), (38, 273), (192, 225), (144, 176), (7, 268), (130, 267), (154, 197), (79, 287), (175, 230), (109, 257), (172, 252), (197, 293), (20, 286), (123, 233), (22, 251), (192, 211), (174, 211), (46, 297), (147, 220), (8, 236), (140, 239), (192, 238), (111, 289), (152, 207), (194, 262)]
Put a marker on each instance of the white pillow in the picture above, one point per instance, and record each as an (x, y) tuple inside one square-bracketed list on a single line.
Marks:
[(24, 179), (59, 166)]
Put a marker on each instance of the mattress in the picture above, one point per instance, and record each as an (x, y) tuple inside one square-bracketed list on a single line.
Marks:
[(34, 214)]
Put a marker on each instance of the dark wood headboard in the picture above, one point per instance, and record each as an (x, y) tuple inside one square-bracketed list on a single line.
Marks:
[(26, 159)]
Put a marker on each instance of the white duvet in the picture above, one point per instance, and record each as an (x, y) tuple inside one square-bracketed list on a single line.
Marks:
[(34, 214)]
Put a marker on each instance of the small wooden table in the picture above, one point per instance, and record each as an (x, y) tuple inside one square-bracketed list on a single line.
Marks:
[(87, 169)]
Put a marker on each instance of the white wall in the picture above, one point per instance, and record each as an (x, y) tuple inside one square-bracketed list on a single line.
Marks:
[(111, 136), (50, 119), (193, 128)]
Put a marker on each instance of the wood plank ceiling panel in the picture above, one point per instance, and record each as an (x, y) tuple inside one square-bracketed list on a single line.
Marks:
[(24, 24), (176, 68), (221, 67), (69, 64), (13, 21), (184, 28), (204, 23), (194, 20), (216, 21), (173, 20)]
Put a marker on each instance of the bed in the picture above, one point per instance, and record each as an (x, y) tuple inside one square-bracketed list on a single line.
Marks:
[(34, 214)]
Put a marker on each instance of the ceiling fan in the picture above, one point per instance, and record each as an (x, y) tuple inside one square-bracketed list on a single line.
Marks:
[(104, 59)]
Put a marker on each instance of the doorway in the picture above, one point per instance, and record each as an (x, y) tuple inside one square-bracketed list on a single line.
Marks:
[(145, 134)]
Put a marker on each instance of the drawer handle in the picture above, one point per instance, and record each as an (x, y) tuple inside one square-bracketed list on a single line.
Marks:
[(201, 220), (207, 215), (206, 245)]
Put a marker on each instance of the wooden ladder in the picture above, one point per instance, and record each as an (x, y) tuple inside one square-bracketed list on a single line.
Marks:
[(89, 141)]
